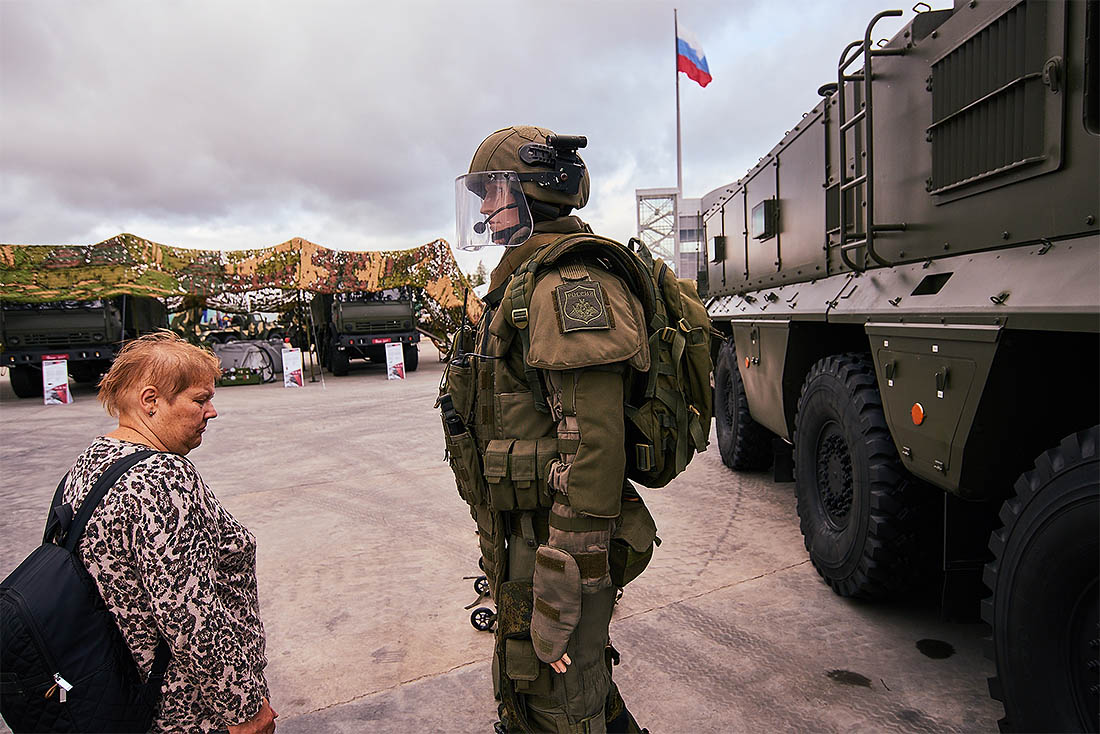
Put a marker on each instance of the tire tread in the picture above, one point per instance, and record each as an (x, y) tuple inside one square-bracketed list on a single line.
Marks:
[(884, 566)]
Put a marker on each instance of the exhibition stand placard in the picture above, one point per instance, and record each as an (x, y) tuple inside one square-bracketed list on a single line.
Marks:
[(55, 380), (395, 362), (292, 368)]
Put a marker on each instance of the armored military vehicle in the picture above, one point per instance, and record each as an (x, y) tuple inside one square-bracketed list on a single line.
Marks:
[(86, 333), (355, 325), (910, 284)]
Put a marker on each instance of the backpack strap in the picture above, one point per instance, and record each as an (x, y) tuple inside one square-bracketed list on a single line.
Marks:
[(61, 515), (106, 480), (520, 287)]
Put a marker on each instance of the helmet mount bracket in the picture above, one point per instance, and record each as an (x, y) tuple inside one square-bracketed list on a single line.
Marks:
[(559, 154)]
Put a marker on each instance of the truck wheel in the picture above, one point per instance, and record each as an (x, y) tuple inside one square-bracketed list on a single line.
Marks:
[(338, 361), (743, 443), (26, 382), (854, 497), (1045, 608), (412, 357)]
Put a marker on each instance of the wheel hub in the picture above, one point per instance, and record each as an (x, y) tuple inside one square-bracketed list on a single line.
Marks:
[(834, 476)]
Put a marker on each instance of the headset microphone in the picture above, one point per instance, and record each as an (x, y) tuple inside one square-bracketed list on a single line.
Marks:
[(479, 227)]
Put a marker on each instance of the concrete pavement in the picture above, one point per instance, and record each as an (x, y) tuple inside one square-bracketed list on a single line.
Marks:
[(364, 543)]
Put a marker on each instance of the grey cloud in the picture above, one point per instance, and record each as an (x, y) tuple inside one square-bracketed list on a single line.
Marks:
[(355, 118)]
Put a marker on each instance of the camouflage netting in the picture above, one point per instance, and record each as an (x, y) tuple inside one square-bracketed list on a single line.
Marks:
[(267, 279)]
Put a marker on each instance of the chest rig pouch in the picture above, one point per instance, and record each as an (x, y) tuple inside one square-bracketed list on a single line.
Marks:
[(498, 445)]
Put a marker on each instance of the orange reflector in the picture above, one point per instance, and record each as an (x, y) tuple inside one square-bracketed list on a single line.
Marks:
[(918, 414), (746, 362)]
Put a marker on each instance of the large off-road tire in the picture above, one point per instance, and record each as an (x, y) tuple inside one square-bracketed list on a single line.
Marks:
[(338, 361), (743, 443), (1045, 577), (412, 357), (26, 382), (855, 499)]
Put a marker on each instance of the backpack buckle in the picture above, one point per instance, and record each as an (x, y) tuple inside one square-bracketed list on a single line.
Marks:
[(519, 318), (643, 457), (684, 325), (668, 334)]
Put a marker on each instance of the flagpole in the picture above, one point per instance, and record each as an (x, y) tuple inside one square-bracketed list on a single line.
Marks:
[(679, 165)]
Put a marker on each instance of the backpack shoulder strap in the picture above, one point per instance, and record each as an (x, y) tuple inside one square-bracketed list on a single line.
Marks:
[(107, 480), (54, 521)]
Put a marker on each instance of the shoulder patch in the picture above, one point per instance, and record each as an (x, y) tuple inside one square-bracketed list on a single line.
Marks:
[(581, 305)]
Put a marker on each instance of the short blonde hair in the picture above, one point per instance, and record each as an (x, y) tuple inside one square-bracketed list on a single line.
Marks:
[(162, 359)]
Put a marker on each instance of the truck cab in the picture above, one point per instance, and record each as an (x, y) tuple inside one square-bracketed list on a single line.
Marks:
[(86, 333), (360, 325)]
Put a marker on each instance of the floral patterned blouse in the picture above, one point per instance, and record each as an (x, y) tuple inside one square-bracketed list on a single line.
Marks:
[(168, 557)]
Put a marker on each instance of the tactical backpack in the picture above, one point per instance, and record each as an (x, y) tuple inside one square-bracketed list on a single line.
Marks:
[(669, 411), (64, 666)]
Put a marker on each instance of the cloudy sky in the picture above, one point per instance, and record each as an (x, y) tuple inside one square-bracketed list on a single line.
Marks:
[(243, 124)]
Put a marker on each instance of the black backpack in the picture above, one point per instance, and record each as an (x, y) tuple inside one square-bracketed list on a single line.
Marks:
[(64, 666)]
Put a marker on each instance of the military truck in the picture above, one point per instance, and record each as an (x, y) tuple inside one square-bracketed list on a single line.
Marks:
[(239, 327), (86, 333), (360, 325), (910, 284)]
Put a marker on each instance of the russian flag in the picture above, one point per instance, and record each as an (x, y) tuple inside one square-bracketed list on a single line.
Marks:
[(690, 58)]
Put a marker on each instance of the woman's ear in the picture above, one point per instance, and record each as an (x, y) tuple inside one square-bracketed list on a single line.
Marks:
[(147, 400)]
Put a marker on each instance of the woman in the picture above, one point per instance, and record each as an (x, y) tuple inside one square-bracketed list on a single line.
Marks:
[(168, 559)]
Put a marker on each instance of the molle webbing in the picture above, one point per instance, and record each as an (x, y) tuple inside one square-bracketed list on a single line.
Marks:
[(591, 565), (554, 564), (548, 610), (578, 524), (543, 646)]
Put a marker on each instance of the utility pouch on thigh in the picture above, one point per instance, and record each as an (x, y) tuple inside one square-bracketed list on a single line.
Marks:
[(466, 465), (529, 676), (632, 542), (515, 602)]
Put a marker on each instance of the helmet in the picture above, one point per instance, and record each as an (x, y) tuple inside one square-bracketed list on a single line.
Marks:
[(513, 171), (528, 151)]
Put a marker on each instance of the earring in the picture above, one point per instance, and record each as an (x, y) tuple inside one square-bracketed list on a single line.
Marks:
[(152, 413)]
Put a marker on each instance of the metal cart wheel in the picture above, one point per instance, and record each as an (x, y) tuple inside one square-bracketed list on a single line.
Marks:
[(483, 619), (481, 586)]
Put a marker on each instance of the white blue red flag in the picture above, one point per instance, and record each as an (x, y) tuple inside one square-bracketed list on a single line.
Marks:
[(690, 58)]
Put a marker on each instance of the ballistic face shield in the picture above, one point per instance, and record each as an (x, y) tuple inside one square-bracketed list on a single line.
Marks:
[(490, 209)]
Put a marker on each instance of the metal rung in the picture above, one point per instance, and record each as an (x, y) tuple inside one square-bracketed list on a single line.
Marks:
[(855, 119), (888, 52), (853, 183), (853, 77), (853, 244)]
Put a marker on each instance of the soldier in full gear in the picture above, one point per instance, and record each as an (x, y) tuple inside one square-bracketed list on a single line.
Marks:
[(534, 414)]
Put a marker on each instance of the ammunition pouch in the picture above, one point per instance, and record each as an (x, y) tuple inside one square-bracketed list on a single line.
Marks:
[(517, 472), (632, 541), (466, 464)]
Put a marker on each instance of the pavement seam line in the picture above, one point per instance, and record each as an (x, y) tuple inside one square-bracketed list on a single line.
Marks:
[(711, 591), (389, 688), (486, 659)]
